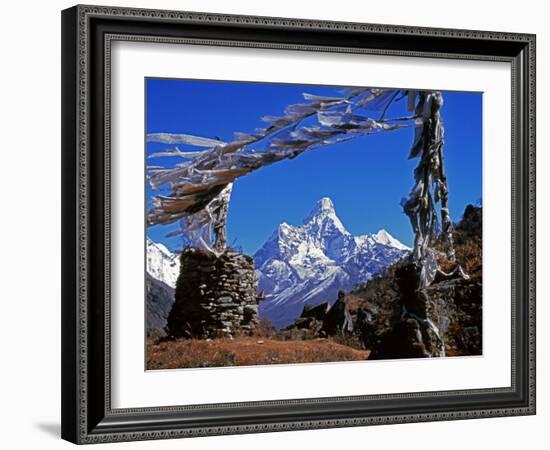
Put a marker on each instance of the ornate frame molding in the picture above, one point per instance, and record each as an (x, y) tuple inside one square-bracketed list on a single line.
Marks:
[(87, 422)]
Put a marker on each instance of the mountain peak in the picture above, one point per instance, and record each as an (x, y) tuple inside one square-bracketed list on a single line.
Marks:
[(323, 222), (325, 204), (324, 207), (383, 234), (385, 238)]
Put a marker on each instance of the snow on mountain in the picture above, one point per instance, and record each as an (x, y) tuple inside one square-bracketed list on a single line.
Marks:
[(162, 264), (310, 263), (385, 238)]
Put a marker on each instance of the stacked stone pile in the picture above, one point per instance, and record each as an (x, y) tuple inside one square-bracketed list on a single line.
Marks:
[(215, 296)]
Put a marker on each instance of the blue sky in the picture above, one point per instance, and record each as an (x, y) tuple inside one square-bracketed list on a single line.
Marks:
[(366, 177)]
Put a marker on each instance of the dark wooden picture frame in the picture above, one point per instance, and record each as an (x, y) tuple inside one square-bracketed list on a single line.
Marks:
[(87, 33)]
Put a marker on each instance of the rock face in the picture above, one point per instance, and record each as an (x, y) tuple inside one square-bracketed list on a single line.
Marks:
[(457, 304), (160, 298), (215, 296), (321, 321), (318, 312)]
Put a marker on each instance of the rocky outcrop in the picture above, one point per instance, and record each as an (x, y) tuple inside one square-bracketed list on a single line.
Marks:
[(317, 312), (448, 317), (321, 321), (308, 325), (215, 296), (457, 307), (160, 298)]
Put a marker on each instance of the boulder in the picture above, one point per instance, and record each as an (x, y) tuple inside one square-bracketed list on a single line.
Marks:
[(318, 312)]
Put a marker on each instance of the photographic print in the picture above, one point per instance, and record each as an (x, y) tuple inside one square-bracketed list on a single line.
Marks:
[(290, 224), (300, 198)]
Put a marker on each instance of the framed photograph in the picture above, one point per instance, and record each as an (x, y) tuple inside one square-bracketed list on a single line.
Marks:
[(281, 224)]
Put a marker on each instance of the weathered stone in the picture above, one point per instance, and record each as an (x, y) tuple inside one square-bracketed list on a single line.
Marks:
[(211, 298), (316, 311), (302, 329), (456, 306), (224, 306)]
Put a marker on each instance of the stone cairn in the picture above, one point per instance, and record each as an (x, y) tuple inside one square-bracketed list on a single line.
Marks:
[(215, 296)]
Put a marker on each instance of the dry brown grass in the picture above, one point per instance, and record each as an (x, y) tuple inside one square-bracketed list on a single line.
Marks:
[(245, 351)]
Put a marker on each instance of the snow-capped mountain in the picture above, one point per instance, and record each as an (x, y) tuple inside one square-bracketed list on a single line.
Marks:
[(310, 263), (162, 272), (162, 264)]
